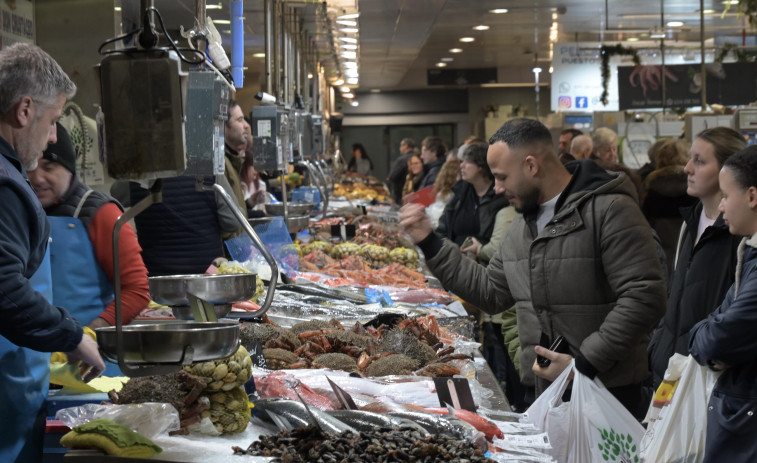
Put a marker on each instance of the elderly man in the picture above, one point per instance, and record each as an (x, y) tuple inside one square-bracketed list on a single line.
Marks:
[(581, 147), (605, 142), (576, 220), (33, 89), (81, 250), (398, 173)]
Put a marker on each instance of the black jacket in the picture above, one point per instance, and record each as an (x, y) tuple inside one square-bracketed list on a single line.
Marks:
[(698, 285), (485, 209), (431, 172)]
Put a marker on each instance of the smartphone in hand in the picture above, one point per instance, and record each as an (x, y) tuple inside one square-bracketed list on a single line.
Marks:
[(559, 345)]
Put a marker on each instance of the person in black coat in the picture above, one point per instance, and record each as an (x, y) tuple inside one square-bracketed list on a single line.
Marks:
[(705, 255)]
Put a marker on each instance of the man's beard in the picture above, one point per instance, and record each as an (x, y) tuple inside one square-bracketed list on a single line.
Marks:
[(529, 203)]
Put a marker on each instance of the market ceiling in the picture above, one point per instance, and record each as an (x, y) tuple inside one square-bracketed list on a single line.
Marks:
[(400, 40)]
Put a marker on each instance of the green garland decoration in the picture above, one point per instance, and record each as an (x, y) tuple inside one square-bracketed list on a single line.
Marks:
[(608, 51), (742, 56)]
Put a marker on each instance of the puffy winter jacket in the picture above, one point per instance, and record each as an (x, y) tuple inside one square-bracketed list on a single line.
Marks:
[(592, 275)]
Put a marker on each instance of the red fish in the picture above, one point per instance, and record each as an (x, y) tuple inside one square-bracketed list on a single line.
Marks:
[(281, 385), (479, 422)]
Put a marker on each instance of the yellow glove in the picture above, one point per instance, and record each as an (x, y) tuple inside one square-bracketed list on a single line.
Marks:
[(60, 357)]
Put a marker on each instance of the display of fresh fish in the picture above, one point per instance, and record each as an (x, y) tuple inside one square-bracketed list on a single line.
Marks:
[(368, 421), (297, 415), (479, 422), (281, 385), (449, 425)]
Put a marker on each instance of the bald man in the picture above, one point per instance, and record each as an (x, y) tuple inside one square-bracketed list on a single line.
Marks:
[(581, 147), (582, 244)]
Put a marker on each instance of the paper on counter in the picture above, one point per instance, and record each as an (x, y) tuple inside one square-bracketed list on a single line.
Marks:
[(67, 375)]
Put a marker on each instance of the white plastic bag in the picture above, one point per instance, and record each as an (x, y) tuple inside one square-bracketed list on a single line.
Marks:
[(593, 427), (678, 432), (149, 419)]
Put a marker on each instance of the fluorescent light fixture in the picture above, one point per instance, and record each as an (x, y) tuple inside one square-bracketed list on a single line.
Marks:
[(455, 50), (345, 89), (632, 39), (536, 70), (551, 69), (348, 95), (351, 73), (348, 39), (657, 35), (352, 80), (708, 11), (467, 39), (447, 59), (481, 27), (216, 6), (339, 82), (349, 47), (441, 65), (221, 21), (350, 65), (731, 2), (498, 11), (349, 30), (227, 31), (349, 16), (258, 55), (116, 8), (348, 54), (348, 23), (355, 103), (675, 23), (310, 75)]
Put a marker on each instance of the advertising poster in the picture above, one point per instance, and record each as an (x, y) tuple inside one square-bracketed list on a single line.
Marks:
[(17, 18), (727, 84), (577, 79)]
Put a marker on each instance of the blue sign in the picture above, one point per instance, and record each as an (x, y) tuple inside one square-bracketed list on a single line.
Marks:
[(582, 102)]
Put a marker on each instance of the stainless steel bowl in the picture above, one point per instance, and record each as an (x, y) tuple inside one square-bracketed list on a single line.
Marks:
[(293, 208), (184, 312), (172, 290), (167, 342)]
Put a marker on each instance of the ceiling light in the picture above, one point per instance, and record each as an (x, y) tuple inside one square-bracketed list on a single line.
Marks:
[(310, 75), (227, 31), (498, 11), (349, 16), (350, 65), (447, 59), (455, 50), (355, 103), (351, 73), (731, 2), (348, 54), (221, 21), (551, 69), (349, 30), (675, 23), (375, 90), (348, 23), (467, 39), (481, 27), (708, 11), (348, 39), (536, 70), (349, 47), (348, 95), (345, 89), (339, 82), (217, 6), (258, 55), (441, 65), (657, 35), (117, 8), (352, 81), (632, 39)]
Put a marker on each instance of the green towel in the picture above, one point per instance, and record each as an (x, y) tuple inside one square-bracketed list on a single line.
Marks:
[(111, 437)]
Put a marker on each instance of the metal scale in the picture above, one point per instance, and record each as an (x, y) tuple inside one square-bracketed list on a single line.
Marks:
[(161, 122)]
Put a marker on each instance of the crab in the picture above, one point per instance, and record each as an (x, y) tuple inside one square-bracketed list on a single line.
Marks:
[(420, 331), (279, 359), (435, 370)]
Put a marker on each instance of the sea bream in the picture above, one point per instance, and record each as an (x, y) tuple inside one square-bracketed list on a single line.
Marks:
[(297, 415)]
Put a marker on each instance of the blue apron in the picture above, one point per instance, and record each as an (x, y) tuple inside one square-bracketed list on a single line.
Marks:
[(23, 389), (79, 283)]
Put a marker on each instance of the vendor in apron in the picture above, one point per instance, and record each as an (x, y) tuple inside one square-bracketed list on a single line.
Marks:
[(82, 222), (30, 326)]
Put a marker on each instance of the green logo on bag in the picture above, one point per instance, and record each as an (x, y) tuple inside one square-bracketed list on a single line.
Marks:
[(618, 447)]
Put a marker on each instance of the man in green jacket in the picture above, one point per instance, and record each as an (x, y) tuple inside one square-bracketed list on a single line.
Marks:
[(580, 261)]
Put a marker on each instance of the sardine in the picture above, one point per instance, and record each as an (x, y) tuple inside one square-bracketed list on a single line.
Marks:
[(296, 414), (368, 421)]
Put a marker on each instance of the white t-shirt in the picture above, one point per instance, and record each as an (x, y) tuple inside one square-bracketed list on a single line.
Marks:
[(546, 212), (704, 222)]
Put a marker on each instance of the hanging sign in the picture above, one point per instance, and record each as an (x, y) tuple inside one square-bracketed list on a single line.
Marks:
[(577, 79), (17, 19)]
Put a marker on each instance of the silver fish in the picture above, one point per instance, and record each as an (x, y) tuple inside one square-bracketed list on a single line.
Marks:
[(296, 414), (369, 421)]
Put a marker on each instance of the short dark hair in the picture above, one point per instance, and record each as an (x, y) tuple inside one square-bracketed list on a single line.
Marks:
[(409, 142), (475, 153), (574, 132), (743, 166), (435, 145), (232, 104), (521, 132)]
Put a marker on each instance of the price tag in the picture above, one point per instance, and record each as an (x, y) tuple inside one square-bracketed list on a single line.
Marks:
[(342, 396), (455, 392), (256, 355)]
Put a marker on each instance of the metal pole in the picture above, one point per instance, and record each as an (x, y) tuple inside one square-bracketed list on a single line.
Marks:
[(268, 13), (662, 50), (277, 49), (703, 68)]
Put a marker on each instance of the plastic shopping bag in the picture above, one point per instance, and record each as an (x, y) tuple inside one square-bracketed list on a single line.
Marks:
[(678, 428), (592, 427)]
